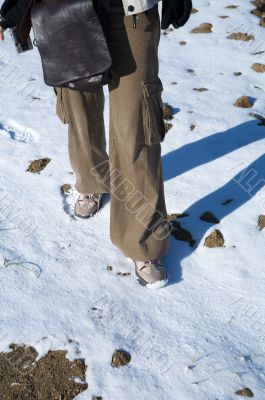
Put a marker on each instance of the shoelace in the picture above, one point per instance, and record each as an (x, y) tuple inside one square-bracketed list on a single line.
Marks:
[(150, 263), (92, 197)]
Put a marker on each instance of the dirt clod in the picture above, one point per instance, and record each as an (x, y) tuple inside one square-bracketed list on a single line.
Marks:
[(261, 222), (245, 392), (120, 358), (37, 166), (206, 27), (232, 7), (215, 239), (257, 67), (181, 234), (172, 217), (243, 36), (167, 112), (66, 189), (168, 126), (244, 102), (201, 89), (228, 201), (209, 217)]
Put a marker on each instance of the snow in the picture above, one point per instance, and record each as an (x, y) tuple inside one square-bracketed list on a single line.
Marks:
[(203, 335)]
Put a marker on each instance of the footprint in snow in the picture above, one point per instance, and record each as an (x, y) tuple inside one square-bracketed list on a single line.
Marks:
[(19, 133)]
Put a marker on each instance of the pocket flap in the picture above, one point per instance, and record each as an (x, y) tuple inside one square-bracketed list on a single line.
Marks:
[(152, 108)]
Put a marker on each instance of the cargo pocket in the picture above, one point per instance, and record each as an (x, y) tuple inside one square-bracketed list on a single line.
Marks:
[(152, 109), (62, 106)]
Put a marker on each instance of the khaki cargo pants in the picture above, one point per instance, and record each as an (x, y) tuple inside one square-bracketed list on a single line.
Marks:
[(132, 171)]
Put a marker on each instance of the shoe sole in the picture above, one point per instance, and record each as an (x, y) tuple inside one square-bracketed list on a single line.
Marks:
[(155, 285), (91, 215)]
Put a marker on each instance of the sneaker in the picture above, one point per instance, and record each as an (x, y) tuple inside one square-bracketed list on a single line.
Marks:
[(151, 273), (87, 205)]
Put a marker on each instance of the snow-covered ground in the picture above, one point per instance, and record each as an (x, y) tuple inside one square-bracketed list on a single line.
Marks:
[(203, 336)]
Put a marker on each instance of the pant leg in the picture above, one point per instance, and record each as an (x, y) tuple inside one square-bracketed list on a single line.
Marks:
[(86, 138), (138, 211)]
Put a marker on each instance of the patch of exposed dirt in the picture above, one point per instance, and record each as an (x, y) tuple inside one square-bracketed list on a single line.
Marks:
[(215, 239), (259, 11), (246, 392), (232, 7), (167, 112), (244, 102), (257, 67), (172, 217), (245, 37), (53, 377), (168, 126), (226, 202), (209, 217), (120, 358), (261, 222), (67, 189), (201, 89), (182, 234), (206, 27), (37, 166)]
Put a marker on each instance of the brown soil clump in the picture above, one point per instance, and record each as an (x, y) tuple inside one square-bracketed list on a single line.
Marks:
[(245, 37), (202, 89), (37, 166), (257, 67), (209, 217), (206, 27), (120, 358), (232, 7), (66, 189), (215, 239), (172, 217), (182, 234), (167, 112), (243, 102), (246, 392), (261, 222), (53, 377)]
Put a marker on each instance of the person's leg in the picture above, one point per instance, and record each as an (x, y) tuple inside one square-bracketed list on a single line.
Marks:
[(83, 111), (138, 211)]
